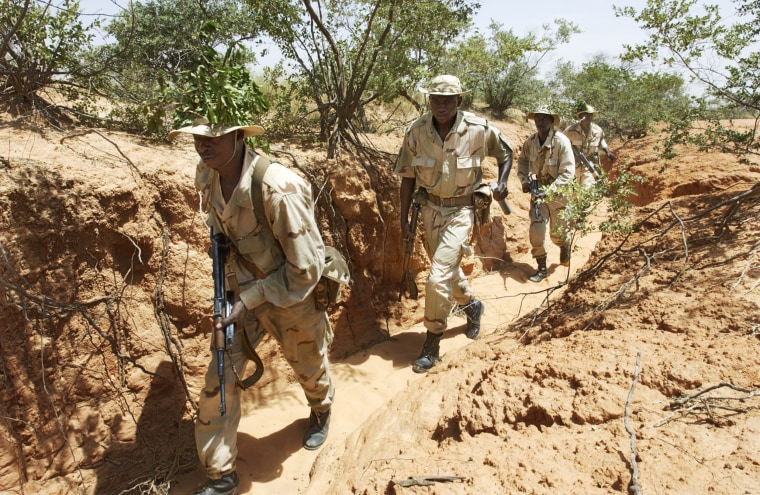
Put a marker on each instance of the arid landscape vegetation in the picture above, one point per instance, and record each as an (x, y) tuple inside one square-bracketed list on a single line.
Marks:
[(106, 313), (634, 370)]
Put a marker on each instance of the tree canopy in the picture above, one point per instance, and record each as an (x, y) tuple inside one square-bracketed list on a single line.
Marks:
[(42, 46), (721, 56)]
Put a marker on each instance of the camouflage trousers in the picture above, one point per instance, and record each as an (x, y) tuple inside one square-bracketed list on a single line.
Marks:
[(447, 232), (304, 335), (558, 228)]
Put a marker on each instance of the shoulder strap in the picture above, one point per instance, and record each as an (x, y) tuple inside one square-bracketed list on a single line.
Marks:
[(257, 179)]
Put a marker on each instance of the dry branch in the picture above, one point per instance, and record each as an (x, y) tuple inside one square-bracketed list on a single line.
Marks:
[(705, 408), (653, 249), (634, 487)]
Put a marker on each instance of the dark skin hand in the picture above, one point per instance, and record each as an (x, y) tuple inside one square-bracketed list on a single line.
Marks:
[(500, 192)]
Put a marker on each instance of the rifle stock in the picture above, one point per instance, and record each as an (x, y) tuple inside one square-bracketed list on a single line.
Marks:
[(407, 274)]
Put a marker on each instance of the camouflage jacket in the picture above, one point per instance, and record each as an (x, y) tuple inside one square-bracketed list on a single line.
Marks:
[(552, 162), (280, 265), (453, 167), (590, 143)]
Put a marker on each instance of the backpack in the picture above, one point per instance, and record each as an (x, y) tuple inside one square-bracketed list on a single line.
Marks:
[(335, 272)]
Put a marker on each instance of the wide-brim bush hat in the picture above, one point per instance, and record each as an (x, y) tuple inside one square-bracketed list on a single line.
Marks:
[(445, 85), (585, 109), (202, 127), (544, 109)]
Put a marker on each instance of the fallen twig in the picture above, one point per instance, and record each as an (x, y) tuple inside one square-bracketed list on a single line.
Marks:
[(428, 480), (683, 400), (634, 488), (696, 404)]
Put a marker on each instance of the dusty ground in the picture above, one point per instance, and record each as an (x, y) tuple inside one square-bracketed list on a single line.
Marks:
[(104, 286)]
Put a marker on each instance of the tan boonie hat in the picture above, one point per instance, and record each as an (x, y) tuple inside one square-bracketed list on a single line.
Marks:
[(544, 109), (201, 127), (445, 85), (585, 109)]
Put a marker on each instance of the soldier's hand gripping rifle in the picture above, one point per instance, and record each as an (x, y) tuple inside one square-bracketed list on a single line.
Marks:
[(586, 163), (223, 337), (536, 197), (407, 274)]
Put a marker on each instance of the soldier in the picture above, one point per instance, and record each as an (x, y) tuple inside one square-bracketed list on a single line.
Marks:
[(588, 138), (443, 152), (275, 270), (546, 156)]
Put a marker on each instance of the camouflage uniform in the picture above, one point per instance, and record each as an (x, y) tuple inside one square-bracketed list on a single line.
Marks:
[(451, 170), (588, 145), (275, 272), (553, 164)]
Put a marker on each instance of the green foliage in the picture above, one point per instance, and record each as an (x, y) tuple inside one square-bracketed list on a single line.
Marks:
[(503, 69), (630, 103), (219, 88), (723, 57), (609, 197), (350, 53), (167, 64), (42, 44)]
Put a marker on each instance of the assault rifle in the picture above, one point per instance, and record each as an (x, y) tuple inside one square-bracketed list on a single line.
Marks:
[(586, 163), (222, 307), (407, 274), (536, 197), (223, 301)]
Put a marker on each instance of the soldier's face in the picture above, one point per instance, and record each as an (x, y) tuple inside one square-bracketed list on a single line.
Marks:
[(215, 151), (444, 107), (543, 122), (587, 117)]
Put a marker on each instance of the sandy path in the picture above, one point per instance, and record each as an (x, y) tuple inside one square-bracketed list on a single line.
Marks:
[(270, 457)]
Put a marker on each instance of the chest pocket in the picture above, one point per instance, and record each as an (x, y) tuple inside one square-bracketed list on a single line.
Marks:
[(425, 171), (468, 168), (262, 249)]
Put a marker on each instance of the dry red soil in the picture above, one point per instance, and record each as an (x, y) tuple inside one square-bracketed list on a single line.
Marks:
[(593, 380)]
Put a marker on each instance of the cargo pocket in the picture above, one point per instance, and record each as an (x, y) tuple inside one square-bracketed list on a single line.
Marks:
[(424, 169)]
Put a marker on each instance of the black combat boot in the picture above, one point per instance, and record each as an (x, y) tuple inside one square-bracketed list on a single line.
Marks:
[(564, 255), (541, 273), (474, 311), (316, 433), (429, 355), (226, 485)]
